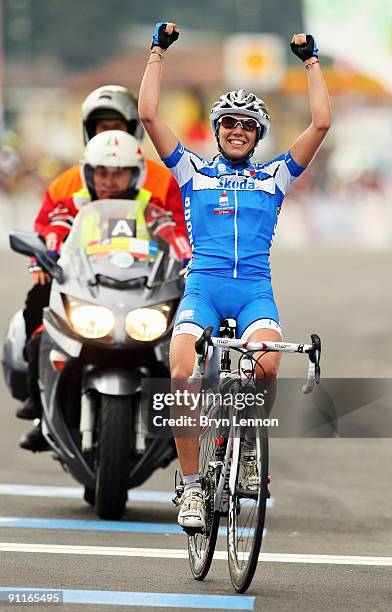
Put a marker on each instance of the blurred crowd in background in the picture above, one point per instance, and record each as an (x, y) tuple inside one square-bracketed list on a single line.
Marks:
[(344, 199)]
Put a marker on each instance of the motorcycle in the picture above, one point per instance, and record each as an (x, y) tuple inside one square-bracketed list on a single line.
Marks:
[(107, 329)]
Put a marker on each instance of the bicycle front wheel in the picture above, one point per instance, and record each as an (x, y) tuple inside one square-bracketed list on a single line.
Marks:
[(247, 506)]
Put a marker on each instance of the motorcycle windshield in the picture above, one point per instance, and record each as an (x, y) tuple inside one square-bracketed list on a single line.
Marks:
[(114, 235)]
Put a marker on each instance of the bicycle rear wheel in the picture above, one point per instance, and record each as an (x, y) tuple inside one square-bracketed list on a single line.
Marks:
[(247, 508), (201, 545)]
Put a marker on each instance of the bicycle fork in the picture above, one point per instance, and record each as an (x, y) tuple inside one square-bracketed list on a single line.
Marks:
[(225, 486)]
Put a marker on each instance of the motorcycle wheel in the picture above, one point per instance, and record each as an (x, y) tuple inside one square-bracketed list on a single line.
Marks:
[(113, 456)]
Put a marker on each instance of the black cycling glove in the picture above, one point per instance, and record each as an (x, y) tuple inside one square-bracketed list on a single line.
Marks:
[(307, 50), (160, 38)]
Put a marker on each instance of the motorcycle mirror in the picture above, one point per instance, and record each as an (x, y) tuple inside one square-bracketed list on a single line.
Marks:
[(27, 243)]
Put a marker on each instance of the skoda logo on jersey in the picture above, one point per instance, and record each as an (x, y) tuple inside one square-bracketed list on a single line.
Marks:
[(221, 167), (236, 183)]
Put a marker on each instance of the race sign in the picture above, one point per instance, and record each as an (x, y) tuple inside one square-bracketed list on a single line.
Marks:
[(122, 227)]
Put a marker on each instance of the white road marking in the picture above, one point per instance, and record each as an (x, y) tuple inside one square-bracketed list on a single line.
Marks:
[(77, 493), (135, 495), (168, 553)]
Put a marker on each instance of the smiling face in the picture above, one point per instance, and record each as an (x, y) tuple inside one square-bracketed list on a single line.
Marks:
[(236, 143)]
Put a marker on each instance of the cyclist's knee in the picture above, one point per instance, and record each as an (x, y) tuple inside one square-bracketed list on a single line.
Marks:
[(267, 363), (268, 368), (180, 371), (267, 372)]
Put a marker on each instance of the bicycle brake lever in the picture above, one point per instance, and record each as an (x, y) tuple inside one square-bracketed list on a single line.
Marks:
[(314, 356), (201, 344)]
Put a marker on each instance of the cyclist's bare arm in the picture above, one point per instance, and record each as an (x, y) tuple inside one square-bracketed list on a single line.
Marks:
[(305, 146), (161, 135)]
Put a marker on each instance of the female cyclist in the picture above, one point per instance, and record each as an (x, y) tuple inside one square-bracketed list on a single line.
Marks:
[(231, 210)]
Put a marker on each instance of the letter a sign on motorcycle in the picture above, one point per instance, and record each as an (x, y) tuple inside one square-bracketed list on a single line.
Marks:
[(122, 227)]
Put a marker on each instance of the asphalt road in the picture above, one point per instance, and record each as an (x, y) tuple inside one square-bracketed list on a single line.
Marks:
[(332, 498)]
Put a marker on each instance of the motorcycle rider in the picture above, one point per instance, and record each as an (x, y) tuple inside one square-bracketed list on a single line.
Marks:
[(113, 166), (106, 108)]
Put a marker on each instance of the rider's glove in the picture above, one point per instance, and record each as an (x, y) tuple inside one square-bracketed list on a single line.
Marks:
[(157, 218), (181, 249), (160, 38), (306, 51), (54, 255)]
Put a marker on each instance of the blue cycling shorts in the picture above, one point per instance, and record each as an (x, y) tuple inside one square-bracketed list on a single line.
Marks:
[(209, 298)]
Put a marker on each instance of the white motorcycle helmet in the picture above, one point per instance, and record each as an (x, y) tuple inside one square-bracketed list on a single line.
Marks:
[(114, 149), (111, 102), (241, 103)]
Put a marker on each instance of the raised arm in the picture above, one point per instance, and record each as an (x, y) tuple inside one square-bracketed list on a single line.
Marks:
[(305, 146), (161, 135)]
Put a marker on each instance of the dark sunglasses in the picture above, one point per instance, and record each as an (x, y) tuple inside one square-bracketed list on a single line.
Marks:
[(229, 123)]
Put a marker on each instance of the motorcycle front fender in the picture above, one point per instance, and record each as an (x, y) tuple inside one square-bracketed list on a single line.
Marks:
[(114, 381)]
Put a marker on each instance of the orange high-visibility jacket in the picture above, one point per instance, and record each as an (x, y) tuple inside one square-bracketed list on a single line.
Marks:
[(159, 181)]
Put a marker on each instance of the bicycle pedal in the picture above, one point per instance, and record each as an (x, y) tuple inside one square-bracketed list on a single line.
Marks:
[(178, 493), (178, 488)]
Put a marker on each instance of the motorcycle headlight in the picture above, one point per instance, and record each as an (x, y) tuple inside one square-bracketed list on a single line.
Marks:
[(147, 324), (91, 321)]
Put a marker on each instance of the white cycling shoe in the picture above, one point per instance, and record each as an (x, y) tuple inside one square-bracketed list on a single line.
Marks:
[(192, 509)]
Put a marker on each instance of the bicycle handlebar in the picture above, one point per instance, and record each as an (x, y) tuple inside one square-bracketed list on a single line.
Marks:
[(313, 350)]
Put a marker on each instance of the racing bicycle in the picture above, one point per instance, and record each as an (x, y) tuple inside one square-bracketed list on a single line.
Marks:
[(233, 451)]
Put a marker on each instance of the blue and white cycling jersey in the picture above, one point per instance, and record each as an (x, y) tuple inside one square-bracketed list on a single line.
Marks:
[(231, 210)]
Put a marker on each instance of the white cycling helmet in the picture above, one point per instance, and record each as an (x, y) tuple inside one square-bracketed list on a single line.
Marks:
[(110, 102), (241, 103), (114, 149)]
